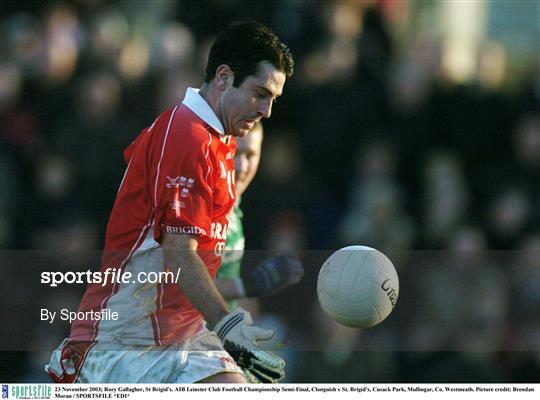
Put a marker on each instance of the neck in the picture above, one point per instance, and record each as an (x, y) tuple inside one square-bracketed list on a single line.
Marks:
[(208, 93)]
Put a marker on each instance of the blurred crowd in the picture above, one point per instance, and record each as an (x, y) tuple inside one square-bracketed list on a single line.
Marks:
[(388, 135)]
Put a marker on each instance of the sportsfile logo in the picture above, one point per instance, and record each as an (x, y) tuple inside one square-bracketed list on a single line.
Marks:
[(29, 392)]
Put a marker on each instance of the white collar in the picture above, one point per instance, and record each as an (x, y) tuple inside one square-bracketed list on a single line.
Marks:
[(196, 103)]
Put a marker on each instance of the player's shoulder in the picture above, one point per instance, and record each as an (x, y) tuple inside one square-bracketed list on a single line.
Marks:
[(188, 129), (182, 129)]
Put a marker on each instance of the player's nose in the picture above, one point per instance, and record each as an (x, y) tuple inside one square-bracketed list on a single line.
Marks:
[(265, 108)]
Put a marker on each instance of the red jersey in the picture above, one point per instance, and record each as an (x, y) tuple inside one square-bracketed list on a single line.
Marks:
[(179, 180)]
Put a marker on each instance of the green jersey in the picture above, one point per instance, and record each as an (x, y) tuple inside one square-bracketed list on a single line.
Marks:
[(234, 249)]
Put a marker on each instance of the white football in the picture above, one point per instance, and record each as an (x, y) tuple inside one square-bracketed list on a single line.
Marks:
[(358, 286)]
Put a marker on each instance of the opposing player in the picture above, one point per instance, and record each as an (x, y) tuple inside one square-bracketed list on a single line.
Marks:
[(171, 213), (274, 273)]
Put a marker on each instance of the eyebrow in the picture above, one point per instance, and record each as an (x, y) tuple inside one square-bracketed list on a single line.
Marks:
[(268, 92)]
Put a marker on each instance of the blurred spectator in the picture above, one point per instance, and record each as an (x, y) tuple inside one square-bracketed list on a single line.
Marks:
[(375, 217), (525, 280), (63, 35), (527, 143), (464, 297), (109, 30), (286, 234), (507, 216), (492, 66), (445, 198), (175, 47), (8, 194)]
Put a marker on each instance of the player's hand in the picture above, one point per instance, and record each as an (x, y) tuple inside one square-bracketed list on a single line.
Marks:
[(273, 275), (240, 339), (250, 378)]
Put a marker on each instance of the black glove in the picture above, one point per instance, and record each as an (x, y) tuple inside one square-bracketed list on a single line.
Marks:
[(273, 275)]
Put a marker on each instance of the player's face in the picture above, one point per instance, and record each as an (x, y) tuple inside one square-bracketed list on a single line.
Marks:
[(247, 158), (242, 107)]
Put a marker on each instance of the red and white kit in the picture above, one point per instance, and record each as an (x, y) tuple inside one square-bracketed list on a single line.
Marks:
[(179, 180)]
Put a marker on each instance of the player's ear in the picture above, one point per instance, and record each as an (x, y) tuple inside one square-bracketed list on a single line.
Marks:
[(224, 77)]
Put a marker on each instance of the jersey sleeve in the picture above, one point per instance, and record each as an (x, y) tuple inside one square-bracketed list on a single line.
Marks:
[(183, 190)]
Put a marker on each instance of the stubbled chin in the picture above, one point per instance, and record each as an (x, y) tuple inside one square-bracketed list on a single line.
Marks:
[(241, 132)]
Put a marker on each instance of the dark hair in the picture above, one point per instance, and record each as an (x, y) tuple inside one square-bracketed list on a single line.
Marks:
[(243, 46)]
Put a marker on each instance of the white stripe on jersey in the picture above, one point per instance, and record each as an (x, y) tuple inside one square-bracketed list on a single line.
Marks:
[(206, 157), (125, 174), (162, 152)]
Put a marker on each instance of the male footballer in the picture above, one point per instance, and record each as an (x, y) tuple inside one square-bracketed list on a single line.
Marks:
[(171, 212)]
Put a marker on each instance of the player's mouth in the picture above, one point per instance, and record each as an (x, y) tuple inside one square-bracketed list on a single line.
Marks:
[(248, 123)]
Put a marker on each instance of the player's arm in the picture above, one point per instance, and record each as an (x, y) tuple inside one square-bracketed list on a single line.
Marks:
[(180, 252), (231, 289), (235, 329), (267, 278)]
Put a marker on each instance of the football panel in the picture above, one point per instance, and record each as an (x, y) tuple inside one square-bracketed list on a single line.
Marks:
[(359, 315)]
